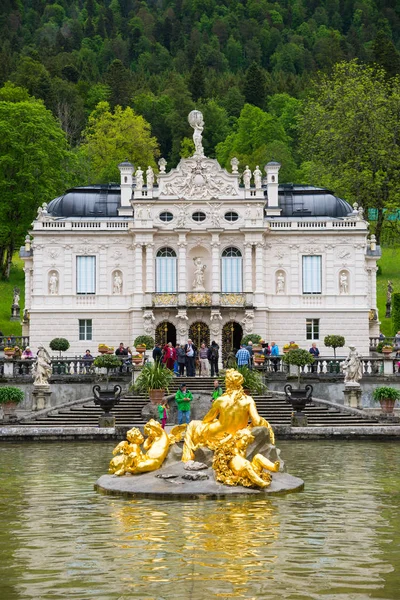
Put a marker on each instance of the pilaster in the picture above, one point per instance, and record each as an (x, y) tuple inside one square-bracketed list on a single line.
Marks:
[(150, 268), (138, 284), (216, 264), (248, 267), (182, 276), (259, 287)]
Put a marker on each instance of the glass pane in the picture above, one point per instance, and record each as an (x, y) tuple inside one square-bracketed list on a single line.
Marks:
[(85, 274), (312, 282)]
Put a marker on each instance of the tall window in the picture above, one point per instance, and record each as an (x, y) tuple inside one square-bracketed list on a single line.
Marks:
[(312, 274), (231, 270), (85, 274), (85, 329), (312, 329), (166, 270)]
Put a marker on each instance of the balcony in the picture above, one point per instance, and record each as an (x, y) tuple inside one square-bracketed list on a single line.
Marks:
[(202, 299)]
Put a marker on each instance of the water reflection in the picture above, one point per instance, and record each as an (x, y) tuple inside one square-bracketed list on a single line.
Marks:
[(339, 539)]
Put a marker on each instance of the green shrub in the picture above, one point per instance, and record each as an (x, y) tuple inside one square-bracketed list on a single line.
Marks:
[(385, 393), (59, 345), (153, 376), (252, 379), (382, 345), (11, 394), (334, 341), (299, 358), (107, 361), (145, 340), (395, 313), (251, 337)]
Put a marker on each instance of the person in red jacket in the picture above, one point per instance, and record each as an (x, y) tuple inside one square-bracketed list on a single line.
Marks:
[(169, 357)]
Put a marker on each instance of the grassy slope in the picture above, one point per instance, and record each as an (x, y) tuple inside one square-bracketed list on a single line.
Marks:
[(390, 267), (389, 263), (17, 278)]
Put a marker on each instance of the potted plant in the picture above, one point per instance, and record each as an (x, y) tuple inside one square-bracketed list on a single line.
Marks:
[(252, 380), (154, 380), (385, 349), (142, 342), (107, 398), (104, 349), (334, 341), (387, 397), (290, 346), (137, 359), (9, 398), (59, 345), (9, 351), (255, 339), (259, 358)]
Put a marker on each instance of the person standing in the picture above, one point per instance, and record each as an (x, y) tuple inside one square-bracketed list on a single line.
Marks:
[(274, 356), (203, 356), (183, 398), (121, 351), (190, 351), (157, 353), (243, 357), (181, 358), (249, 348), (169, 356), (213, 356), (217, 391), (176, 364), (315, 353), (163, 410)]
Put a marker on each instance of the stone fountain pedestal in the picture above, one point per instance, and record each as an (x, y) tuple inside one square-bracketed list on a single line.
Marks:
[(41, 397), (352, 395)]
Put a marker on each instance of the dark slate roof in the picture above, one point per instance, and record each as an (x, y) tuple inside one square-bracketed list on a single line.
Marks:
[(104, 201)]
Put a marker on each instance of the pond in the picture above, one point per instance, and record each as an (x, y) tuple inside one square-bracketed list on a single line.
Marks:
[(337, 540)]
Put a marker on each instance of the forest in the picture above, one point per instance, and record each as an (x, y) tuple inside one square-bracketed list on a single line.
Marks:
[(87, 84)]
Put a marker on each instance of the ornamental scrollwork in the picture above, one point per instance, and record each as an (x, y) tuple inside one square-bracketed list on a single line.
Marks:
[(165, 299), (232, 299)]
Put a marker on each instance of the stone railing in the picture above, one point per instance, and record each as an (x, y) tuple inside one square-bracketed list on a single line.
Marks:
[(374, 341), (64, 366), (14, 340), (330, 366), (315, 223)]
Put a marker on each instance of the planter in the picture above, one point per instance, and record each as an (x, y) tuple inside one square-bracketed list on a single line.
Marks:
[(140, 349), (137, 361), (387, 352), (298, 398), (286, 350), (156, 396), (387, 405), (257, 348), (259, 361), (9, 353), (107, 399), (9, 408)]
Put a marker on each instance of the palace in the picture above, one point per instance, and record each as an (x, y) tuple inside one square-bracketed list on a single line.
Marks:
[(199, 252)]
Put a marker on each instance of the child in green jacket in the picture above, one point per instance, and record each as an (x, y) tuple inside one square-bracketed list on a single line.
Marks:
[(163, 410), (183, 399)]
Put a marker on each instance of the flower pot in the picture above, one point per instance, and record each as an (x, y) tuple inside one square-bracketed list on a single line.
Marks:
[(156, 396), (9, 353), (140, 349), (387, 352), (137, 361), (103, 351), (387, 405), (286, 350), (107, 399), (259, 361), (9, 411)]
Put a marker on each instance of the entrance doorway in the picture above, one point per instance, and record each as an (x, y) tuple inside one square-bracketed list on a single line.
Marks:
[(232, 334), (165, 332), (199, 332)]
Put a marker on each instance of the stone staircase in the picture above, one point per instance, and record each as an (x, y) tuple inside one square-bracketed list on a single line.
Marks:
[(127, 413)]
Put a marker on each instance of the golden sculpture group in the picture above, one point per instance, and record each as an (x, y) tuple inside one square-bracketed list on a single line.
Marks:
[(226, 429)]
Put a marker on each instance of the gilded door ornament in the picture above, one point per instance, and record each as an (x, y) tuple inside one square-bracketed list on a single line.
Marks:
[(199, 332)]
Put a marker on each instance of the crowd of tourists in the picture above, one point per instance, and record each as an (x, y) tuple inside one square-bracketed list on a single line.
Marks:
[(187, 358)]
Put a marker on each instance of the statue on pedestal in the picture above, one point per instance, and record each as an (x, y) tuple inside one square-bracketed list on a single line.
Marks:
[(352, 368), (257, 177), (41, 368), (247, 177), (53, 283), (139, 178), (117, 283), (195, 119), (198, 281), (149, 178), (343, 283), (280, 283)]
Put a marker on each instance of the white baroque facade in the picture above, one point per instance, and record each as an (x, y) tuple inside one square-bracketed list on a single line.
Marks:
[(194, 252)]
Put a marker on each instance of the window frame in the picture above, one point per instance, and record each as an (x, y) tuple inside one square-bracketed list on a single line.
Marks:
[(166, 212), (77, 275), (231, 261), (310, 274), (86, 329), (231, 212), (312, 328), (163, 284), (199, 212)]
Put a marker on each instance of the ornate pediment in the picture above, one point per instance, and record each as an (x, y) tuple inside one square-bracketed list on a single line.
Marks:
[(198, 178)]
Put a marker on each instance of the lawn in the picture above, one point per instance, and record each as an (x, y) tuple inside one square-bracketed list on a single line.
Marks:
[(17, 279), (390, 270)]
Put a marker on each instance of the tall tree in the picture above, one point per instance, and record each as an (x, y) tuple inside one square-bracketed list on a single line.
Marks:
[(350, 132), (33, 164), (254, 86), (114, 136), (197, 85), (119, 79)]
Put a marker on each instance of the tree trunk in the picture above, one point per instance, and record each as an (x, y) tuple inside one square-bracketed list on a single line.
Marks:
[(8, 261)]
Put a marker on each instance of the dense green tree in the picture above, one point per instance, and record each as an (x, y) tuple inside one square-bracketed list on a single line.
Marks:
[(197, 80), (350, 133), (386, 54), (33, 165), (112, 137), (254, 86), (119, 80)]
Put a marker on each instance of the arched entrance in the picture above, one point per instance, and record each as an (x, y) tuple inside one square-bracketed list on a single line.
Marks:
[(232, 334), (199, 332), (165, 332)]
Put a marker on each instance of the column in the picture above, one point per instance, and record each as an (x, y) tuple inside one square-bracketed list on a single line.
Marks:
[(216, 264), (150, 268), (28, 285), (248, 267), (259, 268), (138, 287), (182, 276)]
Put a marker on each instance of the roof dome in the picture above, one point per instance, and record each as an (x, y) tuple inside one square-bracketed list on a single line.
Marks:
[(309, 201), (88, 201)]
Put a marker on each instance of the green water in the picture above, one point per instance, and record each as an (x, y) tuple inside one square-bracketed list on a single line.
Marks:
[(339, 539)]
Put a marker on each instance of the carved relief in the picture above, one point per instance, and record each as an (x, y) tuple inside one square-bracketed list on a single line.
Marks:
[(248, 322), (148, 322)]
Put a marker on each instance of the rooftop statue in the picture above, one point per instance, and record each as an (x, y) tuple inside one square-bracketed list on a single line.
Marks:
[(195, 119), (230, 413)]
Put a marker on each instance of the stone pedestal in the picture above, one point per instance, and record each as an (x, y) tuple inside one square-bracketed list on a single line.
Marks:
[(15, 313), (8, 367), (352, 396), (41, 397), (106, 421), (388, 365), (299, 419)]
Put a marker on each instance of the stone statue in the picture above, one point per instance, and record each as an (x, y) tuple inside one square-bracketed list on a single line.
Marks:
[(198, 281), (229, 413), (149, 178), (162, 163), (247, 213), (352, 368), (214, 215), (260, 211), (53, 283), (131, 458), (389, 300), (234, 165), (182, 214), (41, 368), (139, 178), (215, 322), (248, 322), (195, 119), (138, 211), (117, 283), (182, 319), (232, 467), (257, 177), (343, 283), (16, 296), (148, 322), (280, 283), (247, 177)]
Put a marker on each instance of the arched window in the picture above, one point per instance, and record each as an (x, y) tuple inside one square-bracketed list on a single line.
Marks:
[(166, 270), (231, 270)]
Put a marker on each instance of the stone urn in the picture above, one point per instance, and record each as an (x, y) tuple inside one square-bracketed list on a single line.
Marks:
[(298, 399), (107, 399)]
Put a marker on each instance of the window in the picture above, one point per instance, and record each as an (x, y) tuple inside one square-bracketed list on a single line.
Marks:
[(312, 329), (199, 216), (312, 274), (85, 274), (166, 270), (85, 329), (231, 271), (166, 216), (231, 216)]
